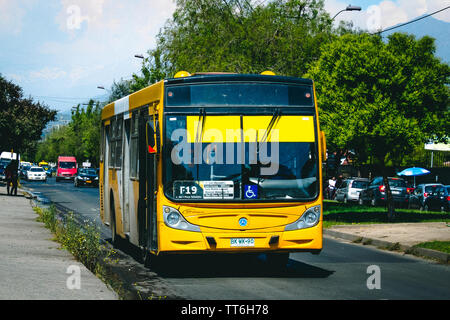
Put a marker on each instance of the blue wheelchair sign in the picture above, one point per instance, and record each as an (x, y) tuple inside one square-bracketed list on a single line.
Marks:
[(251, 191)]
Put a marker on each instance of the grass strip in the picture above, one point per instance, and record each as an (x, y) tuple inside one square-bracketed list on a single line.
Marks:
[(336, 213), (442, 246)]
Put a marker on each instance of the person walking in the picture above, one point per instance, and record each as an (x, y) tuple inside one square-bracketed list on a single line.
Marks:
[(12, 176)]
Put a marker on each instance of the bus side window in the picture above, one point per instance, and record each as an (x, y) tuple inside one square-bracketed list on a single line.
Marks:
[(112, 143), (118, 138), (134, 147)]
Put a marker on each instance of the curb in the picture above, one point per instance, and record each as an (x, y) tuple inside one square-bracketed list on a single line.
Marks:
[(391, 246), (130, 279)]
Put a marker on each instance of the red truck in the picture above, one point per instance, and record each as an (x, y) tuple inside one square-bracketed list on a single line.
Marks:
[(67, 168)]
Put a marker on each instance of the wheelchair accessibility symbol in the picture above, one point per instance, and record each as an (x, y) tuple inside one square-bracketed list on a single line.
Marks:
[(251, 191)]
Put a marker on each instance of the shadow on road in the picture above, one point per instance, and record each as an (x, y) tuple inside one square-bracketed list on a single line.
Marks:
[(233, 265), (217, 265)]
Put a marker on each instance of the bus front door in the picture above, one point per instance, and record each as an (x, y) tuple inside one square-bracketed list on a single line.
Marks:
[(147, 182)]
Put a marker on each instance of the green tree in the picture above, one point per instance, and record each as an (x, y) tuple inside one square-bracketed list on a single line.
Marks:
[(21, 119), (80, 138), (120, 89), (238, 36), (381, 99)]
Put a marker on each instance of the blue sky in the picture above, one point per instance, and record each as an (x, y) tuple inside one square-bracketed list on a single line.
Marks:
[(59, 51)]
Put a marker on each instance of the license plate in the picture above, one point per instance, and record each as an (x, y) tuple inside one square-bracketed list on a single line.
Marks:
[(89, 181), (395, 192), (242, 242)]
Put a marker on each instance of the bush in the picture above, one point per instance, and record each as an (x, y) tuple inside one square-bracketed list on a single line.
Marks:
[(83, 241)]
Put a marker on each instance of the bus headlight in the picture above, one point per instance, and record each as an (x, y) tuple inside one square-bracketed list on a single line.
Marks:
[(309, 219), (174, 219)]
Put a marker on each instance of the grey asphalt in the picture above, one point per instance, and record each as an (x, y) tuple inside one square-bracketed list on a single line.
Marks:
[(33, 266)]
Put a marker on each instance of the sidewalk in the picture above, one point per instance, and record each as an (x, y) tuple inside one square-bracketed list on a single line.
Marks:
[(397, 236), (32, 266)]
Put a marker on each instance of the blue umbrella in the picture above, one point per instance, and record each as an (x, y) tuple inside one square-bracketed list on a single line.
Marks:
[(413, 172)]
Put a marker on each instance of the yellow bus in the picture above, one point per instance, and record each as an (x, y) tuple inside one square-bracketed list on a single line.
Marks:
[(215, 162)]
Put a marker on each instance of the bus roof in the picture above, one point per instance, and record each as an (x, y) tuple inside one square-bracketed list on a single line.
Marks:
[(154, 92), (218, 77)]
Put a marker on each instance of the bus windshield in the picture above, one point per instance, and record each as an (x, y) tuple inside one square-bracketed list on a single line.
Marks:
[(238, 158)]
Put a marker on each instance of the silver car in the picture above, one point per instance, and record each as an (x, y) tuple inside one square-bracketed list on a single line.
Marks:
[(350, 188)]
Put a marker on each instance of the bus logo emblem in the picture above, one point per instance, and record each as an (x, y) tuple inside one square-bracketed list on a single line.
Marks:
[(243, 222)]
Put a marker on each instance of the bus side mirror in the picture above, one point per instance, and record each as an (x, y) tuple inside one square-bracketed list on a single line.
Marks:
[(152, 139), (324, 146)]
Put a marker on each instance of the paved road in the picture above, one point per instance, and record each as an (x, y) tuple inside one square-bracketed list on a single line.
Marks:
[(341, 271)]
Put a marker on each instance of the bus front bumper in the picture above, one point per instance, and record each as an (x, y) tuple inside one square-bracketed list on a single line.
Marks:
[(209, 240)]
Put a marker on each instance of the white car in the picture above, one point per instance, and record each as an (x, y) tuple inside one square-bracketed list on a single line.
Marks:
[(36, 173)]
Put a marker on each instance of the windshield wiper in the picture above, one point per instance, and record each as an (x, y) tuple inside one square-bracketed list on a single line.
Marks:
[(276, 116), (201, 120), (198, 139)]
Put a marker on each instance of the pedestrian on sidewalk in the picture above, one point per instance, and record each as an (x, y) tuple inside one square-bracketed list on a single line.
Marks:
[(12, 176)]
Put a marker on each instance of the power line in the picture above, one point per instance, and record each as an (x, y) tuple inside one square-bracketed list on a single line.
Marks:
[(60, 98), (414, 20)]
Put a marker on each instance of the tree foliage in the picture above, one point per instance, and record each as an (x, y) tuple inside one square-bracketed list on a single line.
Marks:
[(80, 138), (381, 99), (238, 36), (21, 119)]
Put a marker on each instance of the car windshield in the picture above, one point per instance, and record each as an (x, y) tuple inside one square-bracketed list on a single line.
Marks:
[(430, 188), (201, 169), (397, 183), (36, 169), (88, 171), (359, 184), (67, 165)]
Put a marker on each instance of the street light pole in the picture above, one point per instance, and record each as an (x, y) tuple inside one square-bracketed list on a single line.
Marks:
[(349, 8)]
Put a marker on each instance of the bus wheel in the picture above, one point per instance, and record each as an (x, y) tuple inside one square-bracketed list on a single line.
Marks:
[(277, 261)]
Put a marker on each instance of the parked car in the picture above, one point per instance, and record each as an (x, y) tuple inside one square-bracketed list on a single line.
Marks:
[(86, 177), (421, 193), (350, 189), (36, 173), (438, 199), (375, 193)]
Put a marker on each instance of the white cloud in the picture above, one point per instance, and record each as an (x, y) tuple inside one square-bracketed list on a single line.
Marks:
[(11, 16), (47, 73), (107, 33), (388, 13)]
